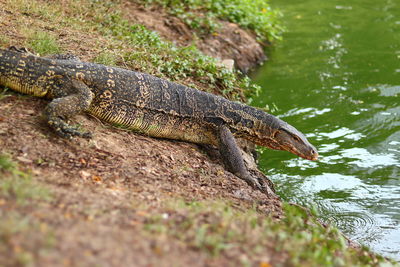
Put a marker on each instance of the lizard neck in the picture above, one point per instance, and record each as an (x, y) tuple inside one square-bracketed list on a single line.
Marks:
[(269, 131)]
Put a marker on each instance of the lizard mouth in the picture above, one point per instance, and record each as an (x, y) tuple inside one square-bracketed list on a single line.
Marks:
[(311, 154)]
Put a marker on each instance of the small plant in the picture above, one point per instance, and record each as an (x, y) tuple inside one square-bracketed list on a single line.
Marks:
[(43, 43), (3, 92), (4, 41), (106, 58), (17, 231), (18, 185), (6, 164)]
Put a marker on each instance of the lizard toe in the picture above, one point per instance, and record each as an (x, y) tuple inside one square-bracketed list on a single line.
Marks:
[(87, 135)]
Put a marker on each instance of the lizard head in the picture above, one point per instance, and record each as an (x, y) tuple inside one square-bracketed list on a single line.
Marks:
[(279, 135), (286, 137)]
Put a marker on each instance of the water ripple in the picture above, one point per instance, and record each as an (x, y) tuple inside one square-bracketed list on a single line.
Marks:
[(360, 225)]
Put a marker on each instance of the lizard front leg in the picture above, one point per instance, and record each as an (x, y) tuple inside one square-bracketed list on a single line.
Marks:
[(61, 108), (234, 162)]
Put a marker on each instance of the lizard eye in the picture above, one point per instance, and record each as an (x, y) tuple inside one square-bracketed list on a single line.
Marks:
[(295, 137), (283, 130)]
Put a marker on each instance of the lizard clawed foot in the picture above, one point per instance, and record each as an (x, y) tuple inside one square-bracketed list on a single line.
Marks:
[(262, 179), (65, 130), (261, 182)]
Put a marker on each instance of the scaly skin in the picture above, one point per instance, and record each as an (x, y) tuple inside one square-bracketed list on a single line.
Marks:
[(147, 104)]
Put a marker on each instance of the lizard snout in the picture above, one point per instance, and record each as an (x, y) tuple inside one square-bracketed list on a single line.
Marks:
[(313, 154)]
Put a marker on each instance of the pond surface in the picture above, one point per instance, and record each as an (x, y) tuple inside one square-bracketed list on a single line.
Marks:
[(336, 77)]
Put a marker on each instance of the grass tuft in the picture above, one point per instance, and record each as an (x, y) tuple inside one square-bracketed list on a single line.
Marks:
[(17, 233), (43, 43), (17, 185), (106, 58)]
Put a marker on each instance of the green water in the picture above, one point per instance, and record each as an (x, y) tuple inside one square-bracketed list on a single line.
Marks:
[(336, 77)]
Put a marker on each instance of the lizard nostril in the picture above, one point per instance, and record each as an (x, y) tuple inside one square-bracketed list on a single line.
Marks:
[(314, 154)]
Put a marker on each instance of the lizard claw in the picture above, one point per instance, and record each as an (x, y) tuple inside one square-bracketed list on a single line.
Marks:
[(87, 135), (254, 183), (261, 182), (65, 130)]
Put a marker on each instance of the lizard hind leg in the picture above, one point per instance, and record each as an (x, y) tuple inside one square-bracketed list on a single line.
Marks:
[(58, 110)]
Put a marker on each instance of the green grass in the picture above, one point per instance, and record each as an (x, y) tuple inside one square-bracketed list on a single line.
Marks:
[(3, 92), (17, 233), (28, 7), (13, 224), (215, 227), (255, 15), (106, 58), (17, 185), (43, 43), (4, 41)]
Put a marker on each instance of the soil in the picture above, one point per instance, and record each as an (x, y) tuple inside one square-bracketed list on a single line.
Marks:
[(98, 184)]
